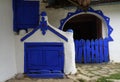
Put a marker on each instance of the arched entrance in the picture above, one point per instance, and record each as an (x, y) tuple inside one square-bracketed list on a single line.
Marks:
[(91, 35), (85, 26)]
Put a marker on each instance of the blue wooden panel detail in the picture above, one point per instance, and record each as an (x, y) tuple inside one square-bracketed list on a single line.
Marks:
[(90, 10), (101, 50), (76, 50), (81, 51), (44, 60), (97, 51), (88, 51), (84, 51), (47, 75), (44, 27), (106, 50), (25, 14), (94, 51)]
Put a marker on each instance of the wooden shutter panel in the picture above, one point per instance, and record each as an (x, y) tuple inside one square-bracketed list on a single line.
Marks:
[(26, 14)]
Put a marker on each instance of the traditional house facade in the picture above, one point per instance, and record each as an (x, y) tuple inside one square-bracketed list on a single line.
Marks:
[(12, 49)]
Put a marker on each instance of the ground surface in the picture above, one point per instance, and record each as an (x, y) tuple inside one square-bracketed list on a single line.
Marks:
[(86, 72)]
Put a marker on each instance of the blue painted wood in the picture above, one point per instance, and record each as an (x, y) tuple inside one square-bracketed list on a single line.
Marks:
[(47, 75), (88, 50), (39, 71), (84, 50), (44, 59), (92, 51), (25, 14), (80, 52), (76, 50), (44, 27), (79, 49), (97, 52), (29, 34), (106, 50), (101, 50)]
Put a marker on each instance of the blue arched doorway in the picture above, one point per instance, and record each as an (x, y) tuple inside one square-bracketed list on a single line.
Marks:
[(91, 35)]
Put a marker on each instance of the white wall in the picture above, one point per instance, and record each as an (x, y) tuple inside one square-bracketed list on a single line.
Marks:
[(113, 12), (69, 51), (110, 10), (54, 17), (7, 45)]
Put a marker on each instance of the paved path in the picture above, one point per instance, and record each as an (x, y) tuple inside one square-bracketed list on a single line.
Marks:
[(87, 72), (91, 72)]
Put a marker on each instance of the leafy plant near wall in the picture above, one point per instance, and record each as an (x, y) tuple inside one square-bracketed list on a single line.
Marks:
[(112, 76)]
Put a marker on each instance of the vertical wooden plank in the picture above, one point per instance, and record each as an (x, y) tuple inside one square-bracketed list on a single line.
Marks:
[(88, 51), (106, 54), (92, 51), (96, 51), (80, 51), (101, 50), (84, 50), (76, 50)]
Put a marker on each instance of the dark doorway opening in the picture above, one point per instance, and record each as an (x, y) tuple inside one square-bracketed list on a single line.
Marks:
[(85, 26)]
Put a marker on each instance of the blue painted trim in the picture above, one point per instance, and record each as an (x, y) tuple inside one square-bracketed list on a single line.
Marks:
[(29, 34), (58, 34), (98, 12), (43, 43), (47, 75), (44, 27)]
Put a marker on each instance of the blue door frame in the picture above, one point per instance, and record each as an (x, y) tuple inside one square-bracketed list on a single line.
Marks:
[(44, 60)]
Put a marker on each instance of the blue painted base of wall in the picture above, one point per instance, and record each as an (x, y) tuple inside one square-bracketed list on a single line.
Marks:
[(47, 75)]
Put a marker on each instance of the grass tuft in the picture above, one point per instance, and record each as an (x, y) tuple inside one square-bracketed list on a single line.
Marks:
[(112, 76)]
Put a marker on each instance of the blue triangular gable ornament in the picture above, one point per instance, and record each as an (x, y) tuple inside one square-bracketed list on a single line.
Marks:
[(43, 26)]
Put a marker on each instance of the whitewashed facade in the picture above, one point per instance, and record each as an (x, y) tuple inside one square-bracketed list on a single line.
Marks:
[(11, 49)]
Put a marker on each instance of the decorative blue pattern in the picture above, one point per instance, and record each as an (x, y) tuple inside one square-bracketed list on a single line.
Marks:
[(44, 27), (98, 12)]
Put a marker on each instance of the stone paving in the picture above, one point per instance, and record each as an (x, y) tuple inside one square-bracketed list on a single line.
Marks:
[(86, 72), (91, 72)]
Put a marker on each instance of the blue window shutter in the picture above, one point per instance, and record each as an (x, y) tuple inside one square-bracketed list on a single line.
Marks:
[(26, 14)]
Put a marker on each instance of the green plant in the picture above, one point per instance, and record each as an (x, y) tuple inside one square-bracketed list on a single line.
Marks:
[(81, 80), (112, 76)]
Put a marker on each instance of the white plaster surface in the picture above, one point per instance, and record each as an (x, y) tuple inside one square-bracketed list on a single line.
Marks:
[(12, 52), (69, 51), (7, 43), (110, 10), (55, 15)]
